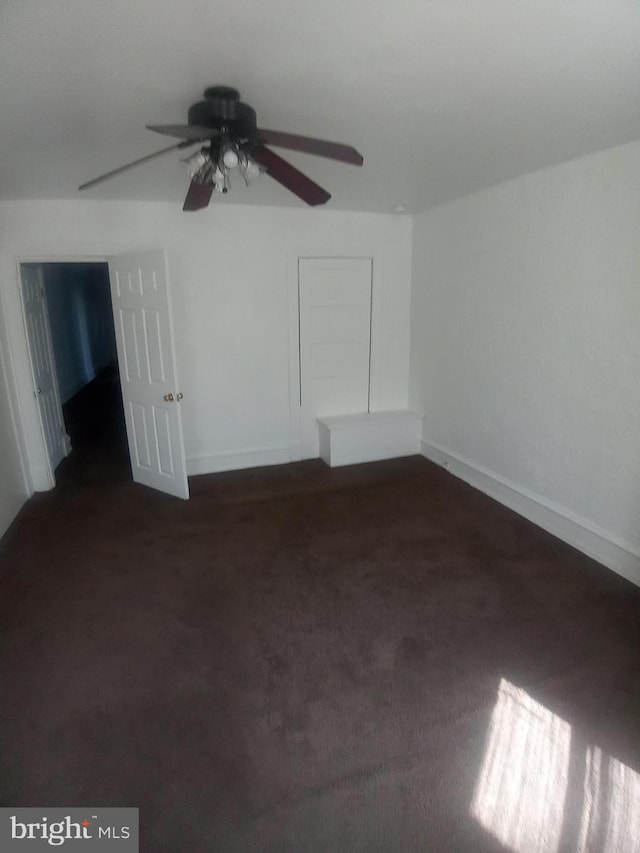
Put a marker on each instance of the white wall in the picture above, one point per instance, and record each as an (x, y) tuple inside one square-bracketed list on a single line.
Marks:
[(233, 272), (526, 347)]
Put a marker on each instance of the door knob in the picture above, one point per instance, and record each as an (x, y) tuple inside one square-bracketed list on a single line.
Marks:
[(168, 398), (39, 390), (179, 395)]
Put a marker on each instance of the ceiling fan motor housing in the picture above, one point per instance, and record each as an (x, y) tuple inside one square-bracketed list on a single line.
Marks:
[(222, 108)]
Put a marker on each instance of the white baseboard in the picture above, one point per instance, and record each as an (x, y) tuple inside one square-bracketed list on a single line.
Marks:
[(234, 460), (295, 451), (622, 557)]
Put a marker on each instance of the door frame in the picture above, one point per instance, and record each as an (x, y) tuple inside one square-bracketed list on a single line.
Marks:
[(30, 432), (66, 441)]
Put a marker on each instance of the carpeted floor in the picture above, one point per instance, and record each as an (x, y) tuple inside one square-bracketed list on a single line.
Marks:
[(374, 658)]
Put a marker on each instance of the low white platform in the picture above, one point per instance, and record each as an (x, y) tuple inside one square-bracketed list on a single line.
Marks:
[(368, 437)]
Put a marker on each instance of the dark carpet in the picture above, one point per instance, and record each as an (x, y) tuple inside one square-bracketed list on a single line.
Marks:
[(373, 658)]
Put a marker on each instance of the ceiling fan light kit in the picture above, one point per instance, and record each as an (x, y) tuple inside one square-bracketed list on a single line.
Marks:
[(230, 140), (214, 163)]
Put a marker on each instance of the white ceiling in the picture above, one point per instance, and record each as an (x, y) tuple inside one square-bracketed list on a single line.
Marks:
[(441, 98)]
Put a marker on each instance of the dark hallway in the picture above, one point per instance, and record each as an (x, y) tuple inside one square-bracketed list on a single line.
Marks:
[(94, 420)]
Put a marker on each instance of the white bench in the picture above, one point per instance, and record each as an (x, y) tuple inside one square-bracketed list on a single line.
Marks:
[(368, 437)]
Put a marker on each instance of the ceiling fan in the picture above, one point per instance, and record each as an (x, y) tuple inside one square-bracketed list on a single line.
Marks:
[(227, 132)]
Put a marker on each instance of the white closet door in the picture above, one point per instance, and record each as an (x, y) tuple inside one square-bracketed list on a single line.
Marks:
[(335, 341)]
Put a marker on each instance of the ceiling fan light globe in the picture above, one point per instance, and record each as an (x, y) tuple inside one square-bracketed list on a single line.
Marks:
[(196, 161), (198, 164), (230, 158), (250, 170), (218, 180)]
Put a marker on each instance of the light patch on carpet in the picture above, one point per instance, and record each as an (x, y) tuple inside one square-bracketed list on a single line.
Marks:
[(611, 812), (521, 790)]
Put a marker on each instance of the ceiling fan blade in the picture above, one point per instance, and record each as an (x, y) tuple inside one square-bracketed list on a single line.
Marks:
[(319, 147), (132, 165), (289, 176), (198, 196), (195, 132)]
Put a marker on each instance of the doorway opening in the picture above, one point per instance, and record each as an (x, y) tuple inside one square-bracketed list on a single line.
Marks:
[(70, 324), (135, 309)]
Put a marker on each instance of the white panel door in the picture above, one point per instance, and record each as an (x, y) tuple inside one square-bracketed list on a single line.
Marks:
[(42, 362), (335, 341), (151, 397)]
